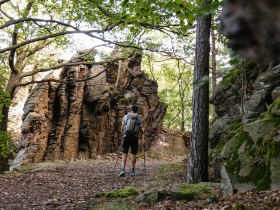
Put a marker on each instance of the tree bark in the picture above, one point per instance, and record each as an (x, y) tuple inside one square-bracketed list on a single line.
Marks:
[(213, 60), (13, 80), (4, 165), (198, 160)]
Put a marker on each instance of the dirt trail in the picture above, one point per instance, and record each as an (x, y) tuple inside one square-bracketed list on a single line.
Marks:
[(73, 186)]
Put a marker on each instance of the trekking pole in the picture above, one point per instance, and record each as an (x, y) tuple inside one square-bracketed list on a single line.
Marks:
[(143, 139), (115, 163)]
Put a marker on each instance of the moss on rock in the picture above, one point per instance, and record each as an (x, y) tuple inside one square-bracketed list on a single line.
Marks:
[(230, 77), (116, 205), (274, 108), (189, 191), (120, 193), (235, 125), (261, 150)]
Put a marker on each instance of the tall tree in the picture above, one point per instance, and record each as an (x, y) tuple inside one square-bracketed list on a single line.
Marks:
[(213, 60), (198, 160)]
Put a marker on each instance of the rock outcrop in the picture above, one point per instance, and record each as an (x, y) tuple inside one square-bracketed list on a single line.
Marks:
[(253, 28), (80, 117), (245, 137)]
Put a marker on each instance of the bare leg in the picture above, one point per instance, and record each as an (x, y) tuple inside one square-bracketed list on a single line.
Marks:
[(124, 158), (133, 161)]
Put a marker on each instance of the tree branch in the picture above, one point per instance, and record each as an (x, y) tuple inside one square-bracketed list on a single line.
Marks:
[(39, 47), (21, 20), (68, 64), (13, 52), (105, 12), (3, 2), (47, 37), (4, 13), (60, 81)]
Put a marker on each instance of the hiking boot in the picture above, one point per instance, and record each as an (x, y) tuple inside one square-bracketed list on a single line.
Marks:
[(132, 173), (122, 172)]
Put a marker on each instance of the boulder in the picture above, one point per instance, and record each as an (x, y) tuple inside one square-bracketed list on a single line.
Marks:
[(150, 197), (203, 190)]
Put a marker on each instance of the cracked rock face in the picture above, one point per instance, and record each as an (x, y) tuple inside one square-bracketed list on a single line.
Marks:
[(82, 119), (253, 28), (248, 121)]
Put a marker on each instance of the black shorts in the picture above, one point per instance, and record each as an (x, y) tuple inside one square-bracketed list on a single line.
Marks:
[(131, 141)]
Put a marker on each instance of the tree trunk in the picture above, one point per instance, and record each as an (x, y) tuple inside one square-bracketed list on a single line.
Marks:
[(198, 160), (4, 166), (213, 60), (4, 120), (13, 80), (183, 117)]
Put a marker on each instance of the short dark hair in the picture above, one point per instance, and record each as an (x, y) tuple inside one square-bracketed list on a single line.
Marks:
[(134, 108)]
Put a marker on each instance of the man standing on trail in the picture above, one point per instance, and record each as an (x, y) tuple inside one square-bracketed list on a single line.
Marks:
[(131, 125)]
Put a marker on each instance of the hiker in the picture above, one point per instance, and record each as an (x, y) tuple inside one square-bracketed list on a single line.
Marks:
[(131, 125)]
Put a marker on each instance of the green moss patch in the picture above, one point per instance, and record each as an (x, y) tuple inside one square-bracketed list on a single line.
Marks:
[(233, 163), (264, 149), (230, 77), (110, 206), (274, 106), (240, 206), (121, 193), (189, 191), (235, 125)]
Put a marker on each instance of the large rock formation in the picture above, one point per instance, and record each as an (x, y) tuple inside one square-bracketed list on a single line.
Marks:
[(253, 28), (247, 133), (245, 138), (80, 117)]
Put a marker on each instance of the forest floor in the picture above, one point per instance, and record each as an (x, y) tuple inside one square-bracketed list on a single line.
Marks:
[(73, 185)]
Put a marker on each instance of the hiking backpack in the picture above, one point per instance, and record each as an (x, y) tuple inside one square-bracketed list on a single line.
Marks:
[(131, 124)]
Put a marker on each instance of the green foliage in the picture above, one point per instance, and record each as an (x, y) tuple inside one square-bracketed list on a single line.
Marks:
[(6, 144), (5, 99), (121, 193), (175, 88)]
